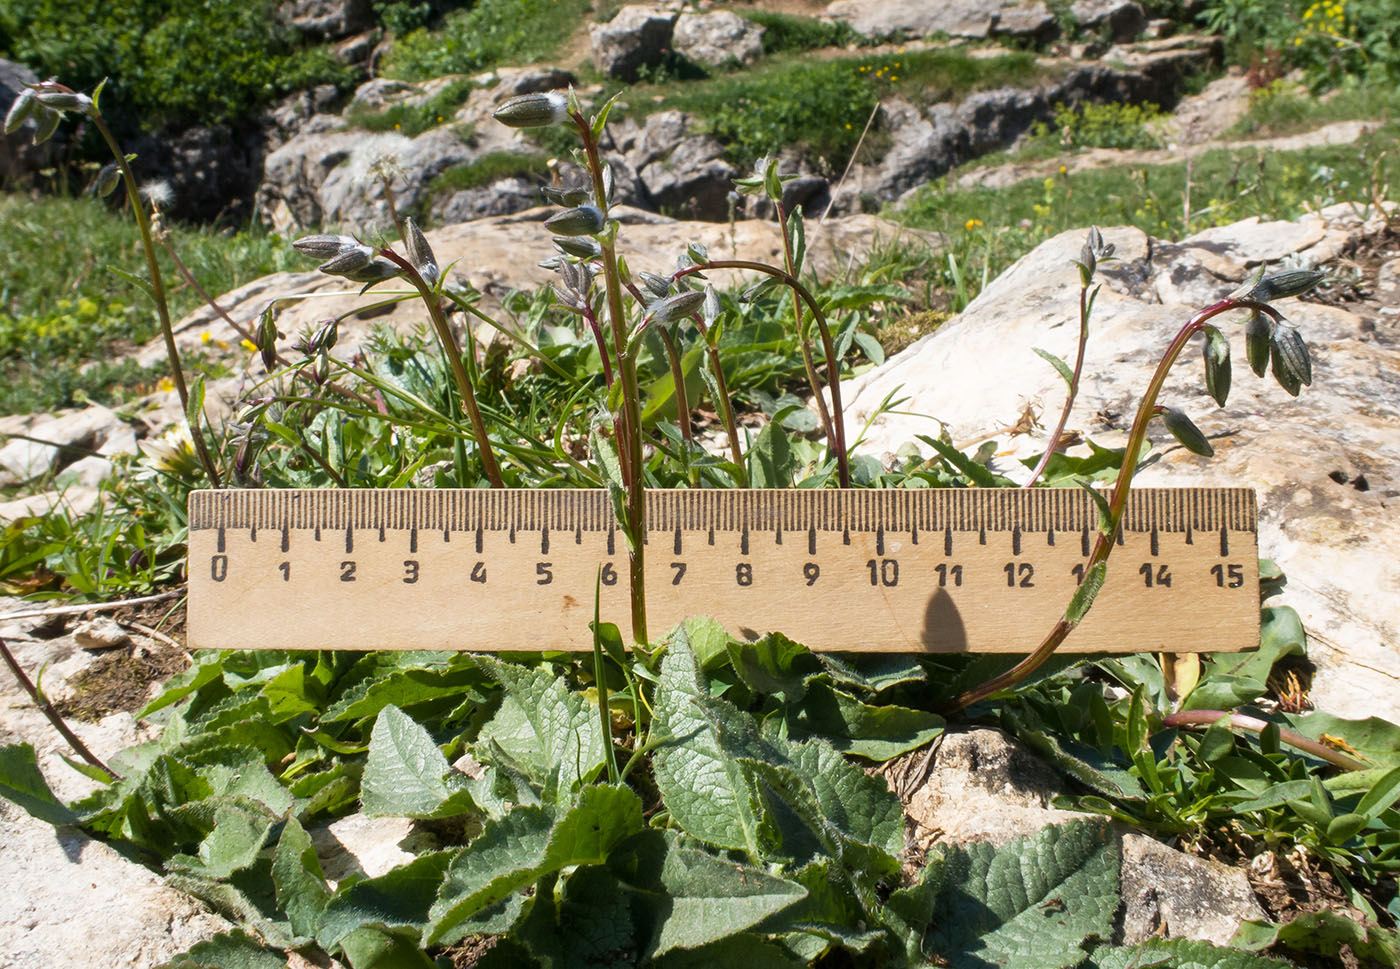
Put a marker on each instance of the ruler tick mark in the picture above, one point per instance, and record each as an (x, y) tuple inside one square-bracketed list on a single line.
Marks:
[(712, 535), (1016, 540), (1156, 544), (1084, 540), (318, 533), (880, 540), (381, 533), (479, 539), (676, 541), (612, 541), (1224, 541), (948, 540), (413, 540), (578, 535), (1050, 537), (778, 536), (253, 533), (982, 535), (846, 536), (811, 540), (914, 535), (286, 538), (744, 541), (221, 538), (1190, 539), (349, 539), (544, 541), (512, 533)]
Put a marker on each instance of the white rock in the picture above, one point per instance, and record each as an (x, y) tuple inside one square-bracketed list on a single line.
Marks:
[(717, 37)]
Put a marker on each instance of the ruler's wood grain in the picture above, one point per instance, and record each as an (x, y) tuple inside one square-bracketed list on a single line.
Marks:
[(894, 571)]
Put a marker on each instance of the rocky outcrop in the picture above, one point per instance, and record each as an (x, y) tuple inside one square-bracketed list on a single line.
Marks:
[(957, 18), (1121, 20), (929, 140), (327, 19), (636, 37), (716, 38), (1338, 543)]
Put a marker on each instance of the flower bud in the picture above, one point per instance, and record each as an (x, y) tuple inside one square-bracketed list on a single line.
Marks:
[(1186, 432), (659, 286), (420, 254), (711, 309), (106, 181), (676, 307), (1257, 332), (1286, 377), (583, 220), (321, 371), (348, 261), (21, 109), (324, 337), (581, 248), (45, 123), (566, 197), (325, 246), (533, 110), (376, 271), (1290, 282), (58, 100), (1290, 351), (267, 339), (1217, 360)]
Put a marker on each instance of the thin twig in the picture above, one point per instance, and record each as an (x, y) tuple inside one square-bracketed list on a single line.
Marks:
[(46, 708), (87, 607), (850, 164), (155, 634)]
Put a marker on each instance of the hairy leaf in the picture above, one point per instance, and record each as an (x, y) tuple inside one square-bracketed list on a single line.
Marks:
[(229, 950), (1179, 954), (406, 775)]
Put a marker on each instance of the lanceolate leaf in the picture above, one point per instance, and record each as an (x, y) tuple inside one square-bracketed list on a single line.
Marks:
[(299, 882), (711, 898), (406, 775), (21, 782), (398, 899), (879, 733), (1030, 904)]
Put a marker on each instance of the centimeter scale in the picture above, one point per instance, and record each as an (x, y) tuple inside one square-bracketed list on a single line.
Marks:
[(930, 570)]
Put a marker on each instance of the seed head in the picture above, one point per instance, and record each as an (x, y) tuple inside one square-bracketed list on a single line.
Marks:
[(1290, 282), (566, 197), (267, 339), (676, 307), (1217, 360), (581, 247), (349, 261), (533, 110), (58, 100), (582, 220), (1290, 353), (324, 337), (1257, 331), (106, 181), (158, 194), (325, 246), (420, 254), (659, 286), (1186, 432)]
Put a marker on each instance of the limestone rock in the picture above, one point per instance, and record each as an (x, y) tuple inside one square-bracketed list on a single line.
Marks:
[(957, 18), (1338, 545), (717, 37), (101, 632), (637, 37), (1194, 898), (53, 442), (328, 19)]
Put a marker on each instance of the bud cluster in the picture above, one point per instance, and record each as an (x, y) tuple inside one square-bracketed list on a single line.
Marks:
[(348, 257), (45, 103)]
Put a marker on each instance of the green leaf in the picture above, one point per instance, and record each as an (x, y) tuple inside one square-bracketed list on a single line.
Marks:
[(22, 783), (1229, 680), (1060, 366), (590, 928), (401, 898), (406, 775), (773, 664), (1083, 599), (1179, 954), (708, 640), (1030, 904), (870, 347), (526, 845), (1381, 796), (711, 898), (1322, 933), (706, 790), (745, 950), (298, 880), (234, 843), (374, 948), (550, 730), (961, 463), (771, 460), (1373, 739), (878, 733), (228, 950), (404, 687)]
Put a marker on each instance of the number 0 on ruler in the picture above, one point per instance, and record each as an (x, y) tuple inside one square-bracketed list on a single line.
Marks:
[(980, 570)]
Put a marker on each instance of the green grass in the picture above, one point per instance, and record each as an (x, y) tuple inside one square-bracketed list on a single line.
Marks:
[(989, 228), (785, 32), (1285, 109), (60, 306), (410, 120), (491, 32)]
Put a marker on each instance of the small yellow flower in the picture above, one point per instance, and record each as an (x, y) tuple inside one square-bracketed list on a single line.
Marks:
[(894, 77), (249, 345), (848, 126), (1063, 170), (165, 385), (971, 224), (205, 337)]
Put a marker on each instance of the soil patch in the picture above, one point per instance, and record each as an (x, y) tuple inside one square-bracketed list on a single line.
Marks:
[(121, 679)]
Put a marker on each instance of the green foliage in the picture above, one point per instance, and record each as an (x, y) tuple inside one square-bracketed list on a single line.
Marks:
[(487, 169), (169, 62), (790, 33), (1331, 41), (1109, 125), (488, 33)]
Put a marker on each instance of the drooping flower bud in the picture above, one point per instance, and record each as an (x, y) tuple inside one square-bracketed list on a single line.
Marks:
[(348, 261), (106, 181), (1217, 360), (58, 100), (1257, 332), (581, 248), (533, 110), (582, 220), (566, 197), (1186, 432), (21, 109), (659, 286), (1291, 353), (325, 336), (45, 123), (420, 254), (676, 307), (267, 339)]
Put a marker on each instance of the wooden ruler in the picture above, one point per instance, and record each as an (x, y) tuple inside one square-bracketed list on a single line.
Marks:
[(984, 570)]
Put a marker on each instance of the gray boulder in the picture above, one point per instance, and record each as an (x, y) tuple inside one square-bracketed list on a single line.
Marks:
[(683, 174), (40, 444), (637, 37), (327, 19), (718, 37), (1122, 20), (956, 18)]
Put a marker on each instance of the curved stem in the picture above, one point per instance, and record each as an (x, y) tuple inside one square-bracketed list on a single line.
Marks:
[(833, 365), (454, 359), (1053, 444), (1118, 501), (822, 412), (52, 715), (630, 445), (148, 246), (1205, 718)]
